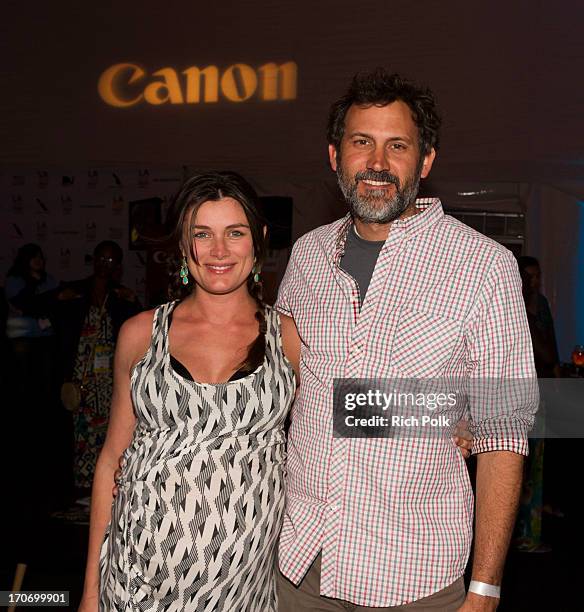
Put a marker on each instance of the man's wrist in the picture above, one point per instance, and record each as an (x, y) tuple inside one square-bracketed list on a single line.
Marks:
[(479, 603)]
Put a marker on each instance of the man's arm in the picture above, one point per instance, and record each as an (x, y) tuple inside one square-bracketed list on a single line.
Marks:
[(503, 400), (499, 475)]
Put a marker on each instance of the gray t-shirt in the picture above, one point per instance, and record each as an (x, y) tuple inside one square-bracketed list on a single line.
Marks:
[(360, 258)]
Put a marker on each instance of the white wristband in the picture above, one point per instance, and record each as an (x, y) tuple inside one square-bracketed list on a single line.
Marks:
[(482, 588)]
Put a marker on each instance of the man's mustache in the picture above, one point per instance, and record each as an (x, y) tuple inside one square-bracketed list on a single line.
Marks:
[(383, 176)]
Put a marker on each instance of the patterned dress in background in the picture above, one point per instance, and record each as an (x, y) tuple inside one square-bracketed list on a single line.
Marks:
[(95, 359), (196, 521)]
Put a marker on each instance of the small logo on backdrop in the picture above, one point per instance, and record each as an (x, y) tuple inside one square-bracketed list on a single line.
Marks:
[(41, 230), (43, 178), (91, 231), (161, 258), (66, 204), (17, 203), (92, 178), (17, 232), (42, 207), (65, 258), (67, 181), (143, 178), (17, 180)]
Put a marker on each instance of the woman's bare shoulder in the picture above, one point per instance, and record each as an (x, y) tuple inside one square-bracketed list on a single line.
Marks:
[(135, 336), (138, 325)]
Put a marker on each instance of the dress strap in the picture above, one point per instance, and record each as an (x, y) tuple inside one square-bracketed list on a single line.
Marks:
[(272, 328), (160, 328)]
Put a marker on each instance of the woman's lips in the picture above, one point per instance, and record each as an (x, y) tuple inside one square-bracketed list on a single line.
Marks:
[(219, 268)]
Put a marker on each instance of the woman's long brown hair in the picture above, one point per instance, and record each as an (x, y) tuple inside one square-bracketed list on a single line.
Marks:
[(213, 186)]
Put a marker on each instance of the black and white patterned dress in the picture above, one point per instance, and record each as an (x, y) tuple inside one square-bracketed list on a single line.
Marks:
[(196, 521)]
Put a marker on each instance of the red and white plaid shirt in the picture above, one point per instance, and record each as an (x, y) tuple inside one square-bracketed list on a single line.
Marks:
[(393, 517)]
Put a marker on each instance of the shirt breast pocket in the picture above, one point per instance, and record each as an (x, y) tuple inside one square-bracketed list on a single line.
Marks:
[(423, 343)]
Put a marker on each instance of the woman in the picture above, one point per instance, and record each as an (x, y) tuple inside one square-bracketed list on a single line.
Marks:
[(88, 315), (32, 386), (30, 333), (201, 392)]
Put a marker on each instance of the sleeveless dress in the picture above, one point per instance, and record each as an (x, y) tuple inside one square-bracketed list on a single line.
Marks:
[(197, 517)]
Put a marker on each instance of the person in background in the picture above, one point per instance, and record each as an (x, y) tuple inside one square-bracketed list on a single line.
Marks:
[(30, 334), (535, 499), (539, 317), (30, 388), (87, 315)]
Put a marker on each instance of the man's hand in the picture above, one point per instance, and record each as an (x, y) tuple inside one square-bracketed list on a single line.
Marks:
[(118, 475), (463, 438), (478, 603)]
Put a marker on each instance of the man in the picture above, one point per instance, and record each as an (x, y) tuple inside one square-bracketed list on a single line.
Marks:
[(396, 288)]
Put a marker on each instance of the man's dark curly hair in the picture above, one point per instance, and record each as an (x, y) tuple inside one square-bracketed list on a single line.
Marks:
[(380, 88)]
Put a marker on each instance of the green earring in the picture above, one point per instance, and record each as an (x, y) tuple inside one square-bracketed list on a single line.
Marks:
[(184, 271), (256, 274)]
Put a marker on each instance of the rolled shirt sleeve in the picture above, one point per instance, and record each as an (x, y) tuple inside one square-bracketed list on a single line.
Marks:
[(502, 386)]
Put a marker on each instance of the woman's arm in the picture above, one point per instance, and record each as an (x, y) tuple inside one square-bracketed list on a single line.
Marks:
[(133, 342)]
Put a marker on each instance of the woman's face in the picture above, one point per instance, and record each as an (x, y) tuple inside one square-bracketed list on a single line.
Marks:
[(221, 256)]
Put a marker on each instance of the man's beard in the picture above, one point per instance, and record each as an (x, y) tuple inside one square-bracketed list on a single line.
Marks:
[(375, 206)]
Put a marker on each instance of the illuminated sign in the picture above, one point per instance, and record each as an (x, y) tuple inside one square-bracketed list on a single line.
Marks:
[(124, 85)]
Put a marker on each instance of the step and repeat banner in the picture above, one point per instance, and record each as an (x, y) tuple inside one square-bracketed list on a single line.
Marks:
[(68, 212)]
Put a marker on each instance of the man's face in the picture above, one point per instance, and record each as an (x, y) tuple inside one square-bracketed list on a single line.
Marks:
[(531, 277), (379, 165), (106, 262)]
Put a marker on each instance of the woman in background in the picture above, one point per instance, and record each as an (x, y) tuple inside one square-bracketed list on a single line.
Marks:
[(87, 315), (32, 411), (29, 332)]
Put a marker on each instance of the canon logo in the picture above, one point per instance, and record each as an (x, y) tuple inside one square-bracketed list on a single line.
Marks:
[(124, 85)]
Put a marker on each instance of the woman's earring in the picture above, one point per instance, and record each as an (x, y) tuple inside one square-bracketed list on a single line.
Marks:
[(184, 271), (256, 274)]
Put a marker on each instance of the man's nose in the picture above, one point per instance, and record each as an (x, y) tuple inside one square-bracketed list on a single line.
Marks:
[(378, 160)]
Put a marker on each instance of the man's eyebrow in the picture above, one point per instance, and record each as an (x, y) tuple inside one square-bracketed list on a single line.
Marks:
[(390, 139), (404, 138), (353, 134)]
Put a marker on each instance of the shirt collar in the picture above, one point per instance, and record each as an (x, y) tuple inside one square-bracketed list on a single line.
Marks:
[(430, 213)]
